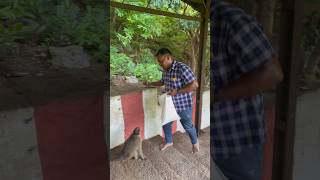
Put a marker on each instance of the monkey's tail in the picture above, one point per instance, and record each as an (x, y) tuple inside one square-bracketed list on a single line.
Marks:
[(121, 158)]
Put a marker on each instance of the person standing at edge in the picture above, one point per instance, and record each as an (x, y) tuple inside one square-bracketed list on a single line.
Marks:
[(243, 65), (179, 81)]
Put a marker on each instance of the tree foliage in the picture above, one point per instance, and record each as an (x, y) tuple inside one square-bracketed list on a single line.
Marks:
[(120, 64), (139, 35), (54, 22)]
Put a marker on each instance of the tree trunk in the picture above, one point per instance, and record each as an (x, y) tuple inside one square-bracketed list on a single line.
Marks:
[(136, 57), (193, 59), (113, 17), (194, 48)]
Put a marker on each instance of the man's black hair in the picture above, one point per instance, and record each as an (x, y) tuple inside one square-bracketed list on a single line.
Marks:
[(163, 51)]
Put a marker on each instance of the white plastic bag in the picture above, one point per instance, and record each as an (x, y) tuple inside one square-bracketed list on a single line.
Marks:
[(168, 112)]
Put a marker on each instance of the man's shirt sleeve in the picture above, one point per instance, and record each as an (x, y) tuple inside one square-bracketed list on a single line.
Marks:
[(248, 44), (187, 75)]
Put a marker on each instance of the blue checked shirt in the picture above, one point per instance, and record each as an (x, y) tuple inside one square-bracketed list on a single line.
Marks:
[(177, 77), (238, 46)]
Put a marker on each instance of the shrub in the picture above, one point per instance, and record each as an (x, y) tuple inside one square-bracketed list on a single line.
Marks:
[(148, 72), (120, 64)]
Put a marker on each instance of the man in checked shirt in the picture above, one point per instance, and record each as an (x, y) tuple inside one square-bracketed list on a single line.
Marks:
[(243, 64), (179, 82)]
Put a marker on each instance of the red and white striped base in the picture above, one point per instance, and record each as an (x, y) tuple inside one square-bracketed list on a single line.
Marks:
[(58, 141), (141, 109)]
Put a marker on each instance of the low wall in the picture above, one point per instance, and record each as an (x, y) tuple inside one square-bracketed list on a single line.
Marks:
[(66, 139), (141, 109), (63, 140)]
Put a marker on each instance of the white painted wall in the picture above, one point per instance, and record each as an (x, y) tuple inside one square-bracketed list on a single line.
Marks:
[(152, 112), (19, 157), (307, 139), (116, 122), (205, 117)]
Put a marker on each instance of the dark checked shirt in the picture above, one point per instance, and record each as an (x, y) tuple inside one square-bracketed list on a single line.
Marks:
[(238, 45), (177, 77)]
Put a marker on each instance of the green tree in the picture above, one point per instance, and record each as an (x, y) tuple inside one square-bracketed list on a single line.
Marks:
[(140, 35)]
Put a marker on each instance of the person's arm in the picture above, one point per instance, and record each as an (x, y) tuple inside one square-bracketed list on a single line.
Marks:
[(188, 79), (187, 88), (255, 58), (157, 83), (263, 78)]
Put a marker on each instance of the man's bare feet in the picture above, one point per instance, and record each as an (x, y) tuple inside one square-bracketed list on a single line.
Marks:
[(195, 147), (164, 146)]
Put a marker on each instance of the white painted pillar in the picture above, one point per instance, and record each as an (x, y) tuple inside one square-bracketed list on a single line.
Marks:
[(116, 122)]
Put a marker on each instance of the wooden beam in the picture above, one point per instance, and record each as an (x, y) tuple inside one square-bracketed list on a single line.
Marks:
[(197, 6), (202, 57), (290, 34), (152, 11)]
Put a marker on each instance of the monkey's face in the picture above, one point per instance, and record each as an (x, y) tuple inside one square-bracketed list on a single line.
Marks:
[(136, 131)]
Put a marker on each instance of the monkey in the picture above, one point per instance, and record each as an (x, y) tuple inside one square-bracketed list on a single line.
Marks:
[(132, 147)]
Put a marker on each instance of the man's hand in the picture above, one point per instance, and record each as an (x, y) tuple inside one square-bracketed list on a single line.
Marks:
[(173, 92), (145, 83), (263, 78), (188, 88), (148, 85), (152, 84)]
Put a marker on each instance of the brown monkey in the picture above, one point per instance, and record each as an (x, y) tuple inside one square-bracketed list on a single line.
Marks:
[(132, 147)]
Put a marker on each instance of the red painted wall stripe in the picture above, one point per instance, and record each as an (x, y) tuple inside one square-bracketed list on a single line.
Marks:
[(133, 114), (194, 108), (71, 139), (268, 146), (174, 126)]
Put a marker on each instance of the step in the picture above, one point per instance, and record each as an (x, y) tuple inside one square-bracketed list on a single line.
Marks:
[(152, 153), (201, 159), (205, 135), (204, 141), (142, 169), (118, 172), (115, 152), (178, 162), (133, 169), (204, 138)]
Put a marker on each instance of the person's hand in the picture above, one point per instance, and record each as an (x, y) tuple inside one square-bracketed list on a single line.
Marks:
[(173, 92), (147, 84)]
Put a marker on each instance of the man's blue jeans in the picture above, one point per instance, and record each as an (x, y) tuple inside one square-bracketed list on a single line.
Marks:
[(244, 166), (186, 121)]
